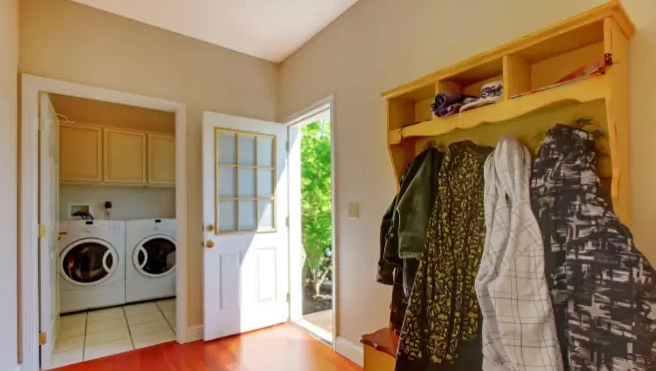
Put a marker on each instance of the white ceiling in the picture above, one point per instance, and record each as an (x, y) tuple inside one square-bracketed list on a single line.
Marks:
[(267, 29)]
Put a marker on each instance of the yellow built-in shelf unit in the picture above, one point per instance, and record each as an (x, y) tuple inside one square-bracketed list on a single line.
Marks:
[(535, 61), (597, 103)]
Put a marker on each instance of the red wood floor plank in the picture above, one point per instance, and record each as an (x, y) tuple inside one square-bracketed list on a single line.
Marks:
[(279, 348)]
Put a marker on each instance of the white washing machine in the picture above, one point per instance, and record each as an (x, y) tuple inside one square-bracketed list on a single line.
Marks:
[(92, 264), (150, 249)]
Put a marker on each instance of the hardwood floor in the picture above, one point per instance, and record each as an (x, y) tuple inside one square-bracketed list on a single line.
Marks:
[(279, 348)]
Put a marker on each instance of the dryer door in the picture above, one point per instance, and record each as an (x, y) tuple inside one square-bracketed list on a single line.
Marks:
[(88, 262), (154, 256)]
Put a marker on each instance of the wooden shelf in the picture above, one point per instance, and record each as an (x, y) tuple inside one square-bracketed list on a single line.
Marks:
[(530, 63), (584, 90)]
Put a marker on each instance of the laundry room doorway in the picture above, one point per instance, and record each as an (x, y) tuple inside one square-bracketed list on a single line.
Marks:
[(103, 181)]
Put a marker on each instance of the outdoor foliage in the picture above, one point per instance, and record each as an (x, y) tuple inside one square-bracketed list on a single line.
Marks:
[(316, 203)]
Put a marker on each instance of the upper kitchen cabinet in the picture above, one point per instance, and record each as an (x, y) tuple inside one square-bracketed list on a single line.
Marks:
[(161, 159), (125, 156), (80, 153)]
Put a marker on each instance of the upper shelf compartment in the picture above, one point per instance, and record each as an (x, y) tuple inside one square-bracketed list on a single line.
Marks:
[(533, 62), (580, 91)]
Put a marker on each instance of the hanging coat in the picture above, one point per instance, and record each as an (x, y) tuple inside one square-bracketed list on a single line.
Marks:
[(441, 329), (403, 229), (519, 330), (602, 287)]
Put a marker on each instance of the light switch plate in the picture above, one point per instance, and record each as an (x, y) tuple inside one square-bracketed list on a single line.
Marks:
[(353, 210)]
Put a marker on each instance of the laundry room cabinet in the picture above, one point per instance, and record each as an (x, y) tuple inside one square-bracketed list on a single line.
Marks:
[(80, 154), (125, 156), (161, 159), (93, 154)]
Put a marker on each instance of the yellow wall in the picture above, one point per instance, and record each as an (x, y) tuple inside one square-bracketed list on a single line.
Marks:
[(8, 190), (64, 40), (379, 44)]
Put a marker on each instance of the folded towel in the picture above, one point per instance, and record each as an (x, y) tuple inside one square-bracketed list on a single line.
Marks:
[(490, 93)]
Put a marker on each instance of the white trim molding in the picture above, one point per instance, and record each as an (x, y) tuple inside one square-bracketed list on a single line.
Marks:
[(354, 352), (194, 333), (29, 176)]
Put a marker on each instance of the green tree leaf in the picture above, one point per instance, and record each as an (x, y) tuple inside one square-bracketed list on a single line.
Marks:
[(316, 204)]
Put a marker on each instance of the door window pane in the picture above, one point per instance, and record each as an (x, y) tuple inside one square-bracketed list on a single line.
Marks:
[(227, 216), (227, 182), (227, 148), (264, 183), (265, 213), (265, 151), (247, 216), (246, 183), (246, 150)]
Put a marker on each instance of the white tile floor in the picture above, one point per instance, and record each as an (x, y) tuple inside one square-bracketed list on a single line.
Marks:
[(104, 332)]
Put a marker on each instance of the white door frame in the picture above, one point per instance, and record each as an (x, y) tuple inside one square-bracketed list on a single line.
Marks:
[(294, 119), (28, 210)]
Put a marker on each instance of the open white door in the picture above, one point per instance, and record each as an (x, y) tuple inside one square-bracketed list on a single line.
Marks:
[(49, 226), (245, 233)]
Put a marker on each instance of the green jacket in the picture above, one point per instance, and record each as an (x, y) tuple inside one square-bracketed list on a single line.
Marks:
[(403, 229)]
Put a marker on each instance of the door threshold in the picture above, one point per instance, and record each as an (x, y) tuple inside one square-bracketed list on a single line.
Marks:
[(315, 330)]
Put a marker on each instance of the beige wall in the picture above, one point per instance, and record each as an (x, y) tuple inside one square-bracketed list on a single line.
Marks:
[(379, 44), (127, 202), (82, 110), (8, 190), (68, 41)]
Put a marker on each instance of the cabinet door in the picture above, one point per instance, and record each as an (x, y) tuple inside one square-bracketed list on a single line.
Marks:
[(125, 157), (161, 159), (80, 153)]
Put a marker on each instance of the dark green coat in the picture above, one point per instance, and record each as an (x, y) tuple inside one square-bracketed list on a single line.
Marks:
[(403, 229)]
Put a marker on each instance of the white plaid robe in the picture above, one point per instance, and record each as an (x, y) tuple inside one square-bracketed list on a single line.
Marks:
[(519, 331)]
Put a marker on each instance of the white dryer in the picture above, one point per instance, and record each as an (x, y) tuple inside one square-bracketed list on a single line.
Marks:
[(92, 264), (150, 249)]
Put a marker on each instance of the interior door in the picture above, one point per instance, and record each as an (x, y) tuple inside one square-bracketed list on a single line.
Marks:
[(49, 229), (245, 232)]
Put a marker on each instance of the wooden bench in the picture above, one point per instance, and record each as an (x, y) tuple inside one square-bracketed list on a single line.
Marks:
[(380, 350)]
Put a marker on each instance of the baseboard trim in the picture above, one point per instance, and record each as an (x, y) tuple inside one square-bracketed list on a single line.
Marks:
[(194, 333), (350, 350)]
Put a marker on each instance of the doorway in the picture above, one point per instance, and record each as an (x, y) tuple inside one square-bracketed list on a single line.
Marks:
[(311, 222), (95, 263), (114, 234)]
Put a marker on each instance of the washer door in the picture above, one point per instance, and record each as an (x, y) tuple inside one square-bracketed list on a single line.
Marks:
[(154, 256), (88, 262)]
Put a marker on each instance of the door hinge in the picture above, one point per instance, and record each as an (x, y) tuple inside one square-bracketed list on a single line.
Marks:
[(43, 231), (287, 297), (286, 146), (287, 221), (43, 338)]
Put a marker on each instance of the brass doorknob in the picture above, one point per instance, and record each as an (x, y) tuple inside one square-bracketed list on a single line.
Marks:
[(210, 227), (209, 244)]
